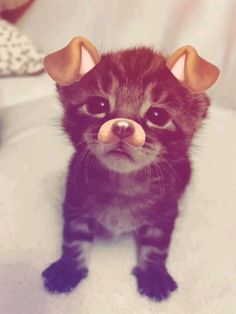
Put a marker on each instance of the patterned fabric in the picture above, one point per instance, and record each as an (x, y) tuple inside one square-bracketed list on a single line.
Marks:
[(18, 56)]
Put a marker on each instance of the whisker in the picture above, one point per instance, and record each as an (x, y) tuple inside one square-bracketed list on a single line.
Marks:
[(83, 142), (160, 176), (171, 168), (79, 162), (89, 159), (96, 127), (86, 165), (66, 121), (149, 174)]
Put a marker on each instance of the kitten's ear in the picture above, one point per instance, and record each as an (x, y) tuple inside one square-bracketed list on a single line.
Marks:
[(69, 64), (191, 70)]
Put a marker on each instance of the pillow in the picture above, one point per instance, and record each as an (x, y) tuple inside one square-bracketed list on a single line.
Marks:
[(18, 56)]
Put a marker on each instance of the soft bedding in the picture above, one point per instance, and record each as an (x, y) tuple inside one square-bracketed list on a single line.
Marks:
[(34, 155), (33, 158)]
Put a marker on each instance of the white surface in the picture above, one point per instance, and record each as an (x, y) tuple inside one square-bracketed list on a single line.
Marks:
[(34, 155), (33, 158), (207, 25), (20, 90)]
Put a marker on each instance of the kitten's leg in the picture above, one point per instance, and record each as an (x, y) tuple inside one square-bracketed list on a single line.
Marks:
[(153, 278), (71, 268)]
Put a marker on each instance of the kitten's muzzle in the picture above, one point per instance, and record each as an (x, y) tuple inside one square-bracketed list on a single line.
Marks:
[(125, 130)]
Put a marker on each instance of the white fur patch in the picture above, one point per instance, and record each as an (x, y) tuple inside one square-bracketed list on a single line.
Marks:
[(82, 248), (118, 221), (78, 226), (153, 233), (143, 255)]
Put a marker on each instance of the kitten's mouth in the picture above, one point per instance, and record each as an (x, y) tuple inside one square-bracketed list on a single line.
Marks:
[(120, 153)]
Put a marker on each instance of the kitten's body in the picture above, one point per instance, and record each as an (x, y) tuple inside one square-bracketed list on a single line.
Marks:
[(119, 194), (123, 202)]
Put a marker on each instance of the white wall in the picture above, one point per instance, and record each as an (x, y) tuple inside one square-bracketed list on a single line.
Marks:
[(208, 25)]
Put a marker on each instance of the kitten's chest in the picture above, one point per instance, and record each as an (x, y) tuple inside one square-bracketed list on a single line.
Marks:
[(123, 210)]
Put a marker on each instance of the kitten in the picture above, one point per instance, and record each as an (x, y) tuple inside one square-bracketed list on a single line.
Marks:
[(116, 187)]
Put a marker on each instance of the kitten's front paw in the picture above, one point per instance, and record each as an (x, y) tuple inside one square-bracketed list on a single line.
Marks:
[(154, 282), (63, 276)]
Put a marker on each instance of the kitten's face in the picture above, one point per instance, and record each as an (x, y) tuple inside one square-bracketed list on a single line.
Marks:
[(135, 85)]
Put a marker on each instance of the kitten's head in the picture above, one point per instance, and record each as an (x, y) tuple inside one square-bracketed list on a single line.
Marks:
[(130, 111)]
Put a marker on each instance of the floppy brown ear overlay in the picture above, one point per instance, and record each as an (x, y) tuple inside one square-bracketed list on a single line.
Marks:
[(198, 74), (69, 64)]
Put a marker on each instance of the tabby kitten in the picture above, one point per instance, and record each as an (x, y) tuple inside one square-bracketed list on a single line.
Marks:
[(131, 123)]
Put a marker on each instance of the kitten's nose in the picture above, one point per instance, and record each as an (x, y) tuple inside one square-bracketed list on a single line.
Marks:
[(115, 130), (123, 128)]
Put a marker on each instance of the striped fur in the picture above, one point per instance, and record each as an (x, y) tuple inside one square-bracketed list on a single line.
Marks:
[(115, 196)]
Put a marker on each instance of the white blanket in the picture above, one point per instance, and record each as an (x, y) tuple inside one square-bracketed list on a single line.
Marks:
[(34, 155), (33, 159)]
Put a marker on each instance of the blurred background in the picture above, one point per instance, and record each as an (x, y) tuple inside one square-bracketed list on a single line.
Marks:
[(34, 155), (208, 25)]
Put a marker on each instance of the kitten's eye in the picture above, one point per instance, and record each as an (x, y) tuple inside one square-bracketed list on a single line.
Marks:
[(158, 117), (96, 106)]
